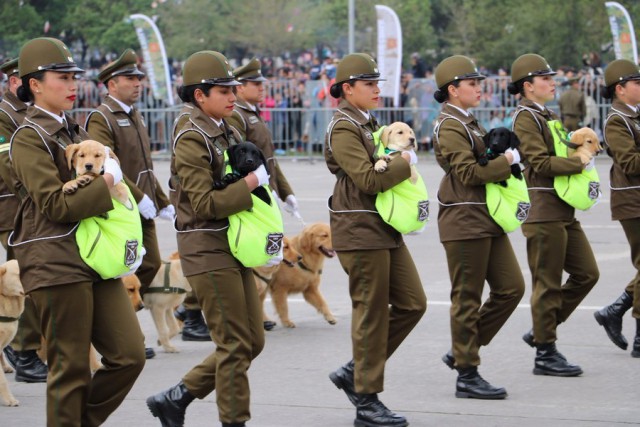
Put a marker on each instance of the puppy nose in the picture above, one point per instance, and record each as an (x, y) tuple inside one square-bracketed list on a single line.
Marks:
[(299, 257), (88, 166), (412, 140)]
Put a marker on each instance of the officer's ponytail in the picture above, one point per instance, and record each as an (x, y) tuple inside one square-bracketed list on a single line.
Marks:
[(336, 89), (24, 93), (442, 94), (515, 88), (609, 92)]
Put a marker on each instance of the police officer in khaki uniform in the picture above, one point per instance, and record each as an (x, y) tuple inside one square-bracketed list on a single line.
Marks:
[(555, 240), (477, 248), (189, 312), (225, 289), (572, 105), (622, 138), (75, 306), (247, 120), (21, 354), (386, 293), (118, 125)]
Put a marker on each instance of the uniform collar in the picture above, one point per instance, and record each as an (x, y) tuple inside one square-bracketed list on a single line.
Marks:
[(126, 108), (48, 122), (205, 124), (346, 108), (115, 105), (535, 106), (456, 112), (246, 106), (624, 109), (14, 102)]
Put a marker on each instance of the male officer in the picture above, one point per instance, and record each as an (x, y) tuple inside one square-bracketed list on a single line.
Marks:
[(246, 119), (118, 125), (572, 105), (22, 351)]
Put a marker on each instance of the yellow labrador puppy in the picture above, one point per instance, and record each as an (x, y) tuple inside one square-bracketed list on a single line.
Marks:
[(11, 307), (396, 138)]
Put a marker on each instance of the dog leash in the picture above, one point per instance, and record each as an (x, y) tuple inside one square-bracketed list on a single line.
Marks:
[(6, 319)]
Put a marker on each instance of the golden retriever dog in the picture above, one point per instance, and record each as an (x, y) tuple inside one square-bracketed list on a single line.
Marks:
[(314, 245), (87, 159), (167, 290), (11, 307), (588, 144), (396, 138), (263, 275)]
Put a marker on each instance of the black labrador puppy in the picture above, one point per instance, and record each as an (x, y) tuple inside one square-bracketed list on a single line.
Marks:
[(244, 158), (497, 141)]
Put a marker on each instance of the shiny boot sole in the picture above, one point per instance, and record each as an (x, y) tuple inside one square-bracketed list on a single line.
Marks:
[(464, 394), (622, 344), (21, 379), (156, 412), (538, 371), (362, 423)]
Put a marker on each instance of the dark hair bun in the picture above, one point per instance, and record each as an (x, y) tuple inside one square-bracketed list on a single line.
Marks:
[(513, 88), (336, 90), (183, 94), (607, 92), (439, 96), (24, 94)]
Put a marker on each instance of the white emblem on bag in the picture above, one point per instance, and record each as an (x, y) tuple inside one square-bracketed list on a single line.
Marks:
[(124, 122), (594, 190), (423, 210), (131, 252), (274, 243), (523, 211)]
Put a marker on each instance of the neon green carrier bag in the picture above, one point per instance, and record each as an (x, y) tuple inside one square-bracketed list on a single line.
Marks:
[(508, 206), (581, 190), (111, 244), (255, 235), (405, 206)]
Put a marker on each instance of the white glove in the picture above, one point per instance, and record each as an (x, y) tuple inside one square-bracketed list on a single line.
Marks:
[(277, 259), (147, 208), (515, 153), (291, 204), (591, 164), (112, 167), (134, 267), (413, 157), (168, 213), (262, 175)]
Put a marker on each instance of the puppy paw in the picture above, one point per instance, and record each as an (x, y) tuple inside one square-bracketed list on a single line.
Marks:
[(170, 349), (7, 369), (12, 401), (288, 324), (332, 320), (83, 180), (380, 166), (70, 187)]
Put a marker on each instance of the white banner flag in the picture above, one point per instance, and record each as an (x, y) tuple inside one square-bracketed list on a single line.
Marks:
[(389, 52)]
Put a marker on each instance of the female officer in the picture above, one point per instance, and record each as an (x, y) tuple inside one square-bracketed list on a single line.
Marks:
[(76, 307), (373, 254), (225, 289), (622, 137), (477, 248), (555, 240)]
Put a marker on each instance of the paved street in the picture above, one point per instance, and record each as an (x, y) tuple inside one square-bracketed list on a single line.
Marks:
[(290, 387)]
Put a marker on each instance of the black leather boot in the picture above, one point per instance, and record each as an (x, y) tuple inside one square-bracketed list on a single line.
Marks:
[(449, 360), (343, 379), (10, 356), (170, 405), (29, 367), (268, 325), (610, 318), (470, 384), (194, 328), (149, 353), (242, 424), (549, 361), (180, 313), (528, 338), (636, 342), (370, 412)]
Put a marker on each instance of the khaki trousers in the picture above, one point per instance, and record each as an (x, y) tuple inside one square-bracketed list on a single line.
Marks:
[(474, 323), (72, 317), (388, 301), (631, 229), (233, 313), (554, 247)]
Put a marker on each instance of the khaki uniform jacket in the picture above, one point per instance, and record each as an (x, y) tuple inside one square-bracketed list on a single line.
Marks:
[(252, 128), (572, 104), (44, 235), (458, 143), (622, 138), (127, 136), (181, 119), (12, 112), (349, 153), (541, 163), (202, 212)]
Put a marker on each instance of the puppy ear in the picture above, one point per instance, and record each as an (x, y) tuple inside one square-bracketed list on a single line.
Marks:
[(487, 137), (70, 153), (231, 152), (514, 141), (384, 137)]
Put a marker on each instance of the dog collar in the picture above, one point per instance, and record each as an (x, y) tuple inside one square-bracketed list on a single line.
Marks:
[(166, 289), (264, 279), (304, 267), (5, 319), (389, 150)]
